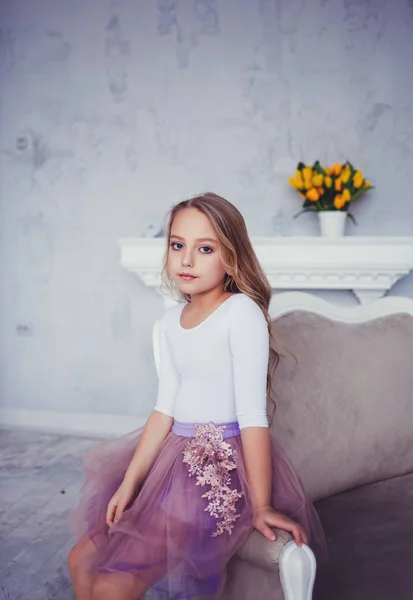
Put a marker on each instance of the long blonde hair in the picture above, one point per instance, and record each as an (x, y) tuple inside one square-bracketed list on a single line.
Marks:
[(244, 271)]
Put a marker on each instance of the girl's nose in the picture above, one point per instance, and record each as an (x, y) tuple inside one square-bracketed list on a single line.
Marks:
[(187, 258)]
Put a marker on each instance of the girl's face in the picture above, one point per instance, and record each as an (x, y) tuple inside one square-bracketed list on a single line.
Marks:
[(195, 250)]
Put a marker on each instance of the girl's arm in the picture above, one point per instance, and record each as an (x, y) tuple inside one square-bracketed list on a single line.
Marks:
[(250, 346), (160, 420), (156, 429), (257, 458), (154, 433)]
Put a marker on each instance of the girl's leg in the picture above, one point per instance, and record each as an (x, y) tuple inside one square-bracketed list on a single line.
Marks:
[(89, 586), (81, 561), (118, 587)]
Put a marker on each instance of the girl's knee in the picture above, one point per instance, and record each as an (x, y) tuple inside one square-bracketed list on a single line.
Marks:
[(73, 559), (104, 589), (81, 555), (117, 587)]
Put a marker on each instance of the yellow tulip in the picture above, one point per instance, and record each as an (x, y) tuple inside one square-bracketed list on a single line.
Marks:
[(317, 180), (338, 184), (345, 176), (299, 179), (339, 201), (296, 182), (328, 182), (347, 195), (336, 169), (312, 194), (299, 183), (307, 173), (327, 170), (358, 182), (308, 184), (320, 191), (367, 184)]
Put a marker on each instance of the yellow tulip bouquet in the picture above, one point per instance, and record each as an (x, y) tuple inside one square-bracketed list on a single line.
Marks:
[(328, 188)]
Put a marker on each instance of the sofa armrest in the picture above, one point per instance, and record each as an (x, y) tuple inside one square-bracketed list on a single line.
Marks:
[(294, 566), (262, 553)]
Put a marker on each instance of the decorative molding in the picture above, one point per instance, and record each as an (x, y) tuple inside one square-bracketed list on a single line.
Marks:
[(368, 266)]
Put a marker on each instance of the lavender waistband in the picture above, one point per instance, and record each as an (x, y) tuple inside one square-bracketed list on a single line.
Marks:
[(188, 429)]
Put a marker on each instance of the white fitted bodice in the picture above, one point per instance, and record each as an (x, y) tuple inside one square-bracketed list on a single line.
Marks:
[(217, 370)]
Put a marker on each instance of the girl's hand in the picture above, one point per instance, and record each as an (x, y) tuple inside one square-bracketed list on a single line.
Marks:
[(119, 501), (266, 517)]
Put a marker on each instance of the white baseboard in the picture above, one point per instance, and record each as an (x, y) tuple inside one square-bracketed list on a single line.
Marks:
[(84, 424)]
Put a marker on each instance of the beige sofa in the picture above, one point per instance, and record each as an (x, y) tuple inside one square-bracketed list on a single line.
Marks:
[(345, 419)]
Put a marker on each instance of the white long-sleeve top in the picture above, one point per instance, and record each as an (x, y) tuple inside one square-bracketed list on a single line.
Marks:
[(217, 370)]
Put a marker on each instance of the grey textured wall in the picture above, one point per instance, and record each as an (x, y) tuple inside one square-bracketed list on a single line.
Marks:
[(113, 110)]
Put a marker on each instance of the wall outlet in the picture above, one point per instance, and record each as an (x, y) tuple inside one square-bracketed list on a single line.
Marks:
[(24, 329)]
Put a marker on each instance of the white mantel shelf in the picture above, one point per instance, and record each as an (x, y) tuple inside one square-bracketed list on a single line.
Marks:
[(368, 266)]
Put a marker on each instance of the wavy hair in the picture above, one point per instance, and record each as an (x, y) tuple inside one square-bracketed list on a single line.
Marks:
[(244, 271)]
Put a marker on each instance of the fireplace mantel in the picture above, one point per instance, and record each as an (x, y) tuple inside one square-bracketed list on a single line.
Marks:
[(368, 266)]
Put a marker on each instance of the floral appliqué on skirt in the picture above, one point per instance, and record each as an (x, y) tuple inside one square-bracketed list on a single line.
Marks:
[(211, 459)]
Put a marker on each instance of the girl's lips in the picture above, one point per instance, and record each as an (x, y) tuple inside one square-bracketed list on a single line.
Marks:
[(187, 277)]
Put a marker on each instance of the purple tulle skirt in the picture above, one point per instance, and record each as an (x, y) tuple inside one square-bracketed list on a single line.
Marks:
[(192, 512)]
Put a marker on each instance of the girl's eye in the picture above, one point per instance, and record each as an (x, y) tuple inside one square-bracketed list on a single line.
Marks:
[(207, 249), (174, 244)]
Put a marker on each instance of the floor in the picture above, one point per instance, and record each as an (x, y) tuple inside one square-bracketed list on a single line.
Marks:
[(40, 477)]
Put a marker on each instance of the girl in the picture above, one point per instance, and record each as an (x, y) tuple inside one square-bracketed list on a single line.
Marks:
[(167, 505)]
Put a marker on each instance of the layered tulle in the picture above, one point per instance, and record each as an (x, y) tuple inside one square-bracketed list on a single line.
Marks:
[(168, 536)]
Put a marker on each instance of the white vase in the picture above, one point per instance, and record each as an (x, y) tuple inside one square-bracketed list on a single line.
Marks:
[(332, 222)]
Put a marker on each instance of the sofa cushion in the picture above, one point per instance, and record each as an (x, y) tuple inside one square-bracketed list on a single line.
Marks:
[(369, 533), (345, 411)]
